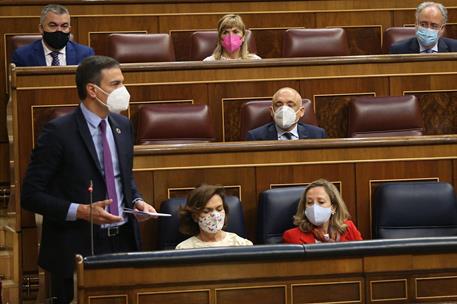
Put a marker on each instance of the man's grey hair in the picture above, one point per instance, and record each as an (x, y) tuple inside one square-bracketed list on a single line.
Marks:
[(54, 8), (439, 6)]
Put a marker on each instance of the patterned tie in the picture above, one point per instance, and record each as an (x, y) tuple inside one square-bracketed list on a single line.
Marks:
[(288, 135), (55, 58), (109, 172)]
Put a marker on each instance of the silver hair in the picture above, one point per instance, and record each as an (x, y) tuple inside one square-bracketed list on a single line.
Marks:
[(54, 8), (439, 6)]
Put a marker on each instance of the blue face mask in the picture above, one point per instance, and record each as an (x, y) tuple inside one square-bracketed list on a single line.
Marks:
[(426, 37)]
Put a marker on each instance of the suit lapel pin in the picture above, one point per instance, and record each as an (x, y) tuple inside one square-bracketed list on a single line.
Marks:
[(118, 131)]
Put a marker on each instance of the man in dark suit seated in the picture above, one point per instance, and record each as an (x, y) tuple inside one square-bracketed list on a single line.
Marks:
[(286, 111), (431, 18), (55, 48)]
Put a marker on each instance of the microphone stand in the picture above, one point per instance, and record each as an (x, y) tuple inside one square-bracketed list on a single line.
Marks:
[(91, 189)]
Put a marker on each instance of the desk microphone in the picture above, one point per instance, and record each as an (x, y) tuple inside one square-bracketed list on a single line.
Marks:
[(91, 189)]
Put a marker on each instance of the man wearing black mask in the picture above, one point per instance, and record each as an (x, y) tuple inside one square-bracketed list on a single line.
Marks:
[(55, 48)]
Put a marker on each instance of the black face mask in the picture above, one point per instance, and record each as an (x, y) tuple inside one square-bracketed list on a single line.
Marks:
[(57, 40)]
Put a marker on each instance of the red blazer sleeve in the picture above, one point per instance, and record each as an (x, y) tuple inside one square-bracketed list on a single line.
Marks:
[(352, 233), (296, 236), (290, 236)]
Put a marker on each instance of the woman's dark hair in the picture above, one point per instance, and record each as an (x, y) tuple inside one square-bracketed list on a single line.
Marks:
[(196, 202)]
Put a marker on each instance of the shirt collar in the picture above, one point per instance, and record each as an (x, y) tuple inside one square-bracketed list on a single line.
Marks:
[(294, 131), (92, 118), (423, 49), (48, 51)]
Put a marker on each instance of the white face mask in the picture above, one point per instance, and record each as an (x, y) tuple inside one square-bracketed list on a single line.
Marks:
[(285, 117), (318, 215), (118, 100), (212, 222)]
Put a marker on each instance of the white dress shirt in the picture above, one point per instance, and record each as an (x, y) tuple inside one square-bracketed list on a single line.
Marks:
[(47, 55)]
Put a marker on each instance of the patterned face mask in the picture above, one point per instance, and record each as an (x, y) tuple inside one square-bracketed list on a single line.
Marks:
[(212, 222)]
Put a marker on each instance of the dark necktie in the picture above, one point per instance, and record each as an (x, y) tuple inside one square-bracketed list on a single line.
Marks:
[(55, 58), (288, 135), (109, 172)]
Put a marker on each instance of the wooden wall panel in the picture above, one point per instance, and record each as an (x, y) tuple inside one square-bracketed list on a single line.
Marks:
[(91, 24), (364, 40), (270, 41), (332, 113), (174, 297), (329, 292), (437, 288), (355, 17), (168, 93), (108, 299), (269, 295), (371, 174), (404, 17), (388, 290), (332, 96), (145, 181), (439, 111), (421, 83)]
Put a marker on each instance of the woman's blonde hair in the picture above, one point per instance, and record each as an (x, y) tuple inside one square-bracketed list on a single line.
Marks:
[(336, 220), (229, 21)]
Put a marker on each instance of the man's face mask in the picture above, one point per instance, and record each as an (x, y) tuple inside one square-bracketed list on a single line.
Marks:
[(117, 101), (212, 222), (285, 117), (57, 40), (426, 36)]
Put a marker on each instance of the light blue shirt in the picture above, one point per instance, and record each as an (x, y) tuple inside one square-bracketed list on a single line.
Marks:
[(293, 132), (93, 122)]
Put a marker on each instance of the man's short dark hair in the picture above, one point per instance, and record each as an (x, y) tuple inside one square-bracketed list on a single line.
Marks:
[(89, 71)]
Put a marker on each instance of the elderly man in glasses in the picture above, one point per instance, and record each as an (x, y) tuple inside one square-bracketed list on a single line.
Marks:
[(431, 18)]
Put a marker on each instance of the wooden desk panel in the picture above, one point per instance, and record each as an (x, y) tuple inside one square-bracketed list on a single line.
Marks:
[(380, 278)]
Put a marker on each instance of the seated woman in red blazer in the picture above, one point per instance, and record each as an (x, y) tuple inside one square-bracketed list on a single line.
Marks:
[(321, 216)]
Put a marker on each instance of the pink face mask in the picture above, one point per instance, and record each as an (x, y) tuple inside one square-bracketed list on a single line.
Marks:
[(231, 42)]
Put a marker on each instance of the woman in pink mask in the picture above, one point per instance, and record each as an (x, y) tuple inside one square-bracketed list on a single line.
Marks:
[(321, 217), (204, 217), (231, 43)]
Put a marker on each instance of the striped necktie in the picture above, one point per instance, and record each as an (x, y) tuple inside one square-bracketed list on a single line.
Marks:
[(55, 58)]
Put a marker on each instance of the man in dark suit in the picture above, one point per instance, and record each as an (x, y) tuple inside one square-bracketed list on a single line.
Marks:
[(286, 111), (431, 18), (54, 48), (89, 151)]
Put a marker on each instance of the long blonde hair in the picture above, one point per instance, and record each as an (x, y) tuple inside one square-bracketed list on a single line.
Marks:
[(336, 220), (229, 21)]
